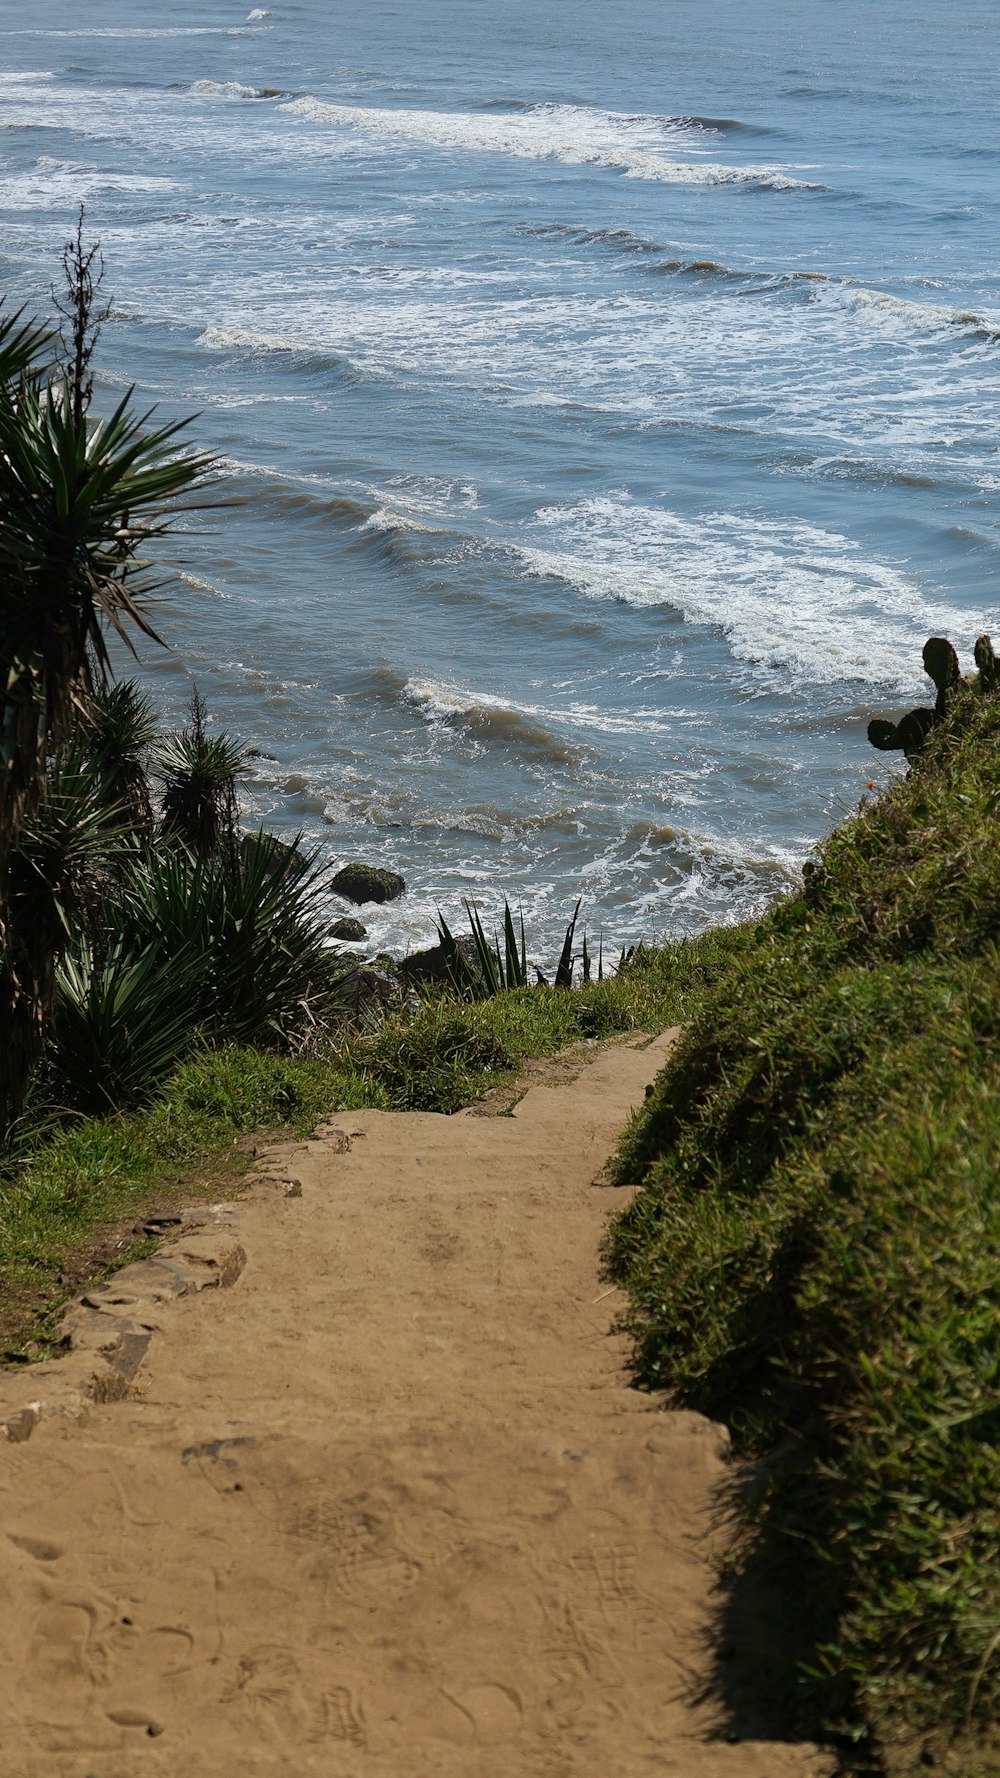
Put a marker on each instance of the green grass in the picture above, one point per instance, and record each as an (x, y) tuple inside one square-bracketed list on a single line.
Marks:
[(814, 1255), (68, 1208)]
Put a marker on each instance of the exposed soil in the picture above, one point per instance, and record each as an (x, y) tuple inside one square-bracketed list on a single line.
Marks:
[(387, 1507)]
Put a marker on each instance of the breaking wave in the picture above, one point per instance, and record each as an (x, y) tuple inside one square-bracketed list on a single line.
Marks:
[(232, 89), (575, 135), (789, 597)]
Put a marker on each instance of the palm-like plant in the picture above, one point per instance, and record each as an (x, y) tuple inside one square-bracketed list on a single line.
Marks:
[(199, 773), (122, 1019), (264, 975), (111, 749), (80, 502)]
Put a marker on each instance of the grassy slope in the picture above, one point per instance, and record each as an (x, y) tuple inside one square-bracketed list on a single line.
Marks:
[(815, 1254), (69, 1210)]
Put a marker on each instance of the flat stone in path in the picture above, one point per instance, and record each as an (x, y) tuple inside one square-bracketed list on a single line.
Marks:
[(385, 1507)]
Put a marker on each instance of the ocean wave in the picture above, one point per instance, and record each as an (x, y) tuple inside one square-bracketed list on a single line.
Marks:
[(133, 31), (882, 309), (384, 521), (491, 821), (789, 597), (861, 469), (650, 255), (903, 313), (624, 240), (407, 527), (245, 339), (482, 719), (485, 715), (232, 89), (574, 135)]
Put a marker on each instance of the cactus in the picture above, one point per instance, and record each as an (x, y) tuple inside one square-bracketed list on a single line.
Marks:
[(941, 665), (911, 731), (907, 735), (989, 666)]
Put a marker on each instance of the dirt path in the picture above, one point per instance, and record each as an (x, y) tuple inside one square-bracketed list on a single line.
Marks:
[(387, 1508)]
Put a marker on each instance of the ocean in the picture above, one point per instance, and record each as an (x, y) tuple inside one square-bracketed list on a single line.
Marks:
[(605, 400)]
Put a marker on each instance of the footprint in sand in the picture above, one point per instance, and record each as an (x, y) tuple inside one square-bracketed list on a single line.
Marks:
[(483, 1711), (42, 1548), (268, 1684), (367, 1566), (61, 1644), (339, 1717)]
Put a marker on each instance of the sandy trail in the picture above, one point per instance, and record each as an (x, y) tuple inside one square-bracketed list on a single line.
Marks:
[(387, 1508)]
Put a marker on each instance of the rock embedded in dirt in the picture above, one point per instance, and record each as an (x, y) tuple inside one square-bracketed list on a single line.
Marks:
[(348, 929), (362, 883)]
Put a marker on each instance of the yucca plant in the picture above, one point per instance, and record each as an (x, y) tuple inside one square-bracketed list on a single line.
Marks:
[(199, 773), (112, 747), (54, 881), (502, 966), (587, 961), (122, 1019), (265, 975), (80, 503)]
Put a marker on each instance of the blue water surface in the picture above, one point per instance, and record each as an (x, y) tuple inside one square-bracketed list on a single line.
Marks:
[(606, 399)]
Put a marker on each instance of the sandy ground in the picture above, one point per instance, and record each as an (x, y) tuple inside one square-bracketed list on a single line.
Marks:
[(386, 1508)]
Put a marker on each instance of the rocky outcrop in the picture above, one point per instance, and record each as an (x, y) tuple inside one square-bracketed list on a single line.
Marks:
[(360, 883), (351, 931)]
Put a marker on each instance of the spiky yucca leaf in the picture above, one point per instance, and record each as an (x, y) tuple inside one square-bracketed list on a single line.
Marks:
[(23, 345), (121, 1022), (112, 746), (199, 774), (265, 973), (564, 968)]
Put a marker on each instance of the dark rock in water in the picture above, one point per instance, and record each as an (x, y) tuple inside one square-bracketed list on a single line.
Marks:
[(367, 882), (277, 857), (432, 965), (348, 929)]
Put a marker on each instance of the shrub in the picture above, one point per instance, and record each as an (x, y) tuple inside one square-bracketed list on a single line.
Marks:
[(815, 1251)]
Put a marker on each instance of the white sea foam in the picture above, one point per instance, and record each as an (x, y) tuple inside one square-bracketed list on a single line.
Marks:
[(814, 368), (432, 494), (259, 12), (903, 316), (51, 184), (385, 519), (788, 596), (575, 135), (224, 89)]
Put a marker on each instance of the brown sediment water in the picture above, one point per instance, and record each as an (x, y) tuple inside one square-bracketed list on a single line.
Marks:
[(386, 1507)]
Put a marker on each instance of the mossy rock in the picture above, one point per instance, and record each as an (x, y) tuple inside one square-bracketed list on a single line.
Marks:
[(361, 883), (349, 929)]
